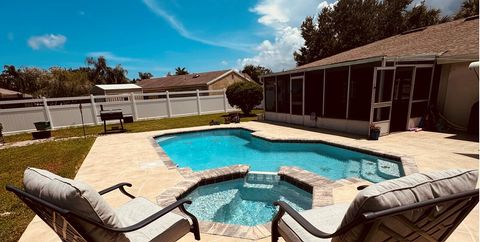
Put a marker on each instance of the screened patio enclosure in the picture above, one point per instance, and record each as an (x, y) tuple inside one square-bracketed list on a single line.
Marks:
[(391, 93)]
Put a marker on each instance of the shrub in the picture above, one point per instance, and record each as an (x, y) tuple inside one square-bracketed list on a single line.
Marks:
[(244, 95)]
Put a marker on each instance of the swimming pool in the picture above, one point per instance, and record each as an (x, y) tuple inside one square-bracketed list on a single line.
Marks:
[(228, 201), (201, 150)]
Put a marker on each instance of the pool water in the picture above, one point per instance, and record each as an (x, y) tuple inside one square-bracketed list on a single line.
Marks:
[(204, 150), (245, 201)]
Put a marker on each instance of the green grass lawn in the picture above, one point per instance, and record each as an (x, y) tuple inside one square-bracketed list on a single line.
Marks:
[(63, 158), (138, 126)]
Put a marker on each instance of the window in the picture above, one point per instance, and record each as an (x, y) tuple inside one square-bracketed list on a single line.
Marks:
[(421, 89), (336, 86), (314, 92), (381, 114), (270, 94), (419, 109), (297, 96), (383, 86), (283, 94), (361, 77)]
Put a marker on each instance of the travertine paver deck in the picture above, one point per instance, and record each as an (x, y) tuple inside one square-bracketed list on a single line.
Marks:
[(133, 158)]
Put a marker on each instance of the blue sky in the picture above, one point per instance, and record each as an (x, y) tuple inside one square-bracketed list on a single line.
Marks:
[(158, 35)]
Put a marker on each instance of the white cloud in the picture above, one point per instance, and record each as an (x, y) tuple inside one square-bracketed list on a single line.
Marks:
[(224, 62), (109, 56), (279, 54), (178, 26), (49, 41), (280, 13), (448, 7), (284, 19)]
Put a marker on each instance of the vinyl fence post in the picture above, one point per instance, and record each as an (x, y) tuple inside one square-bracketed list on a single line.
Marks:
[(225, 99), (47, 112), (199, 108), (169, 105), (94, 109), (134, 106)]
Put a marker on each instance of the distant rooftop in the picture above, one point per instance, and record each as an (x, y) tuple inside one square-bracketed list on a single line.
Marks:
[(189, 80), (6, 93)]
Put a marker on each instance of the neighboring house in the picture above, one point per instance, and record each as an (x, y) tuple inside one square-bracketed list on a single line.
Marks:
[(10, 95), (391, 83), (6, 95), (213, 80)]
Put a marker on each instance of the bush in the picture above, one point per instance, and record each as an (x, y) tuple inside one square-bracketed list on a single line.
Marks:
[(244, 95)]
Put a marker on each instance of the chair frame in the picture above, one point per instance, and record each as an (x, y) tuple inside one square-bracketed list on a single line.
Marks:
[(36, 204), (463, 203)]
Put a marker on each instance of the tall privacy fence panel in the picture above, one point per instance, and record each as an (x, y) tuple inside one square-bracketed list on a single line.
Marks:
[(19, 115)]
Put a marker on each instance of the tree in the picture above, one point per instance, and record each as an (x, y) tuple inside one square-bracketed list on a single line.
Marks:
[(244, 95), (68, 82), (255, 72), (101, 73), (421, 16), (145, 75), (181, 71), (468, 8), (353, 23), (8, 77)]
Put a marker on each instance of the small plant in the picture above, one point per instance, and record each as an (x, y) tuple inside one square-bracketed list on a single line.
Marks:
[(244, 95), (373, 127), (374, 132)]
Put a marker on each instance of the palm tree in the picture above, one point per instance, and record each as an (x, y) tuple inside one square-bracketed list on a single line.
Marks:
[(181, 71)]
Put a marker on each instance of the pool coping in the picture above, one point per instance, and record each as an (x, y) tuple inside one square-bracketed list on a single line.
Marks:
[(320, 187), (407, 162)]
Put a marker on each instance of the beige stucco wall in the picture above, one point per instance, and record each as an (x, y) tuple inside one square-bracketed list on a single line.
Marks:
[(458, 91), (226, 81)]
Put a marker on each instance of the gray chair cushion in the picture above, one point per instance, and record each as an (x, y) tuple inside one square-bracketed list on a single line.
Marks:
[(169, 227), (327, 219), (407, 190), (74, 196)]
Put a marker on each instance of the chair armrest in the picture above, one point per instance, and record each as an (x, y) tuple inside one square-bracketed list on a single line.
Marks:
[(120, 186), (361, 187), (284, 207), (145, 221)]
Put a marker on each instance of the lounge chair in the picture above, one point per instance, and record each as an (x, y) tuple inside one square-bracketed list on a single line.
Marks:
[(76, 212), (419, 207)]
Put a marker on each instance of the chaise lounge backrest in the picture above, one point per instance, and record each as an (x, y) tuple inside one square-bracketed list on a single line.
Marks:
[(429, 219), (69, 198)]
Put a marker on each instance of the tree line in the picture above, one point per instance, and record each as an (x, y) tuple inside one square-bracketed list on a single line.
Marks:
[(353, 23), (68, 82)]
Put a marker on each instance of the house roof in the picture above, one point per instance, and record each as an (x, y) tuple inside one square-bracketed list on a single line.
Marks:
[(118, 86), (447, 40), (194, 79), (6, 93)]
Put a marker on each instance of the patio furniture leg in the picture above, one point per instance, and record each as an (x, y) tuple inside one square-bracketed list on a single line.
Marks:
[(195, 227)]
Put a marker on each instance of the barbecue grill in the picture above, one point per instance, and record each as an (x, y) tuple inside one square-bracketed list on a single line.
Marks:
[(113, 114)]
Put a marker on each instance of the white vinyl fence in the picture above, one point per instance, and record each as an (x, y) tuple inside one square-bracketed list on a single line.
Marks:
[(19, 115)]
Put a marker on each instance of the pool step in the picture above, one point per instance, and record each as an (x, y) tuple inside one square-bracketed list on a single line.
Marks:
[(257, 177)]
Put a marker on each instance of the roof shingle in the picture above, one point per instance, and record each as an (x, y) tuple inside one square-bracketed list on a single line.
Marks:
[(449, 39)]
